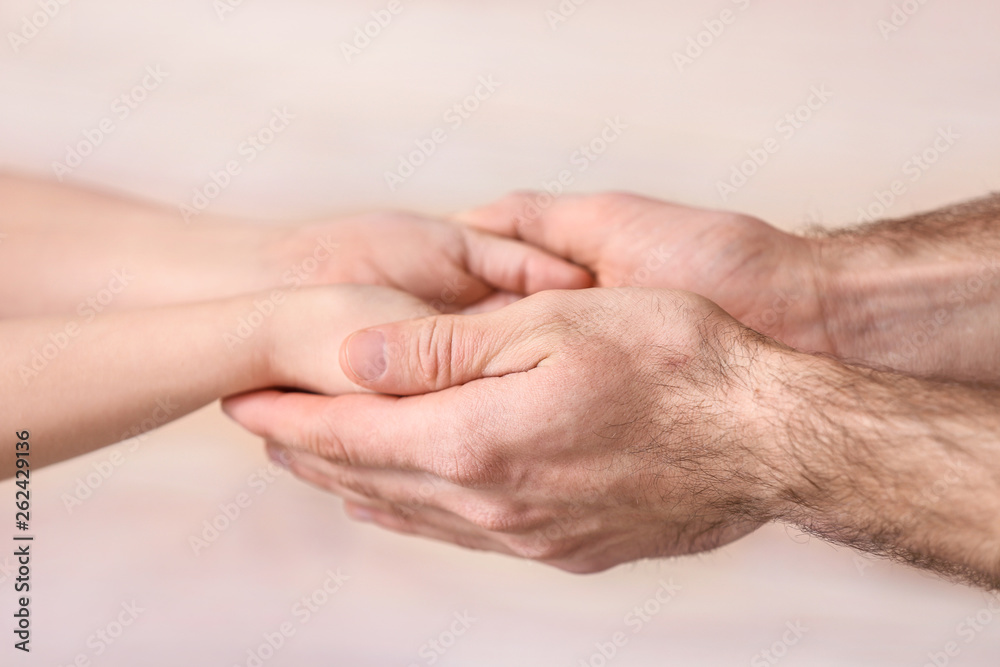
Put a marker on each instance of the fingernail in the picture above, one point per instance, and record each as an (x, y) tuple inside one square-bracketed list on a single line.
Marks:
[(279, 455), (359, 513), (366, 354)]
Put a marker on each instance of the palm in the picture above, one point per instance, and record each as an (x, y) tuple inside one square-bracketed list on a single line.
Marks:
[(757, 273)]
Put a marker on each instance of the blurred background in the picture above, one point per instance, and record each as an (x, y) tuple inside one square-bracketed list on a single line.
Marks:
[(854, 95)]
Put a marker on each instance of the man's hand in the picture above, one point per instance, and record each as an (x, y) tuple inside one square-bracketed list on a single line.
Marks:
[(583, 428), (594, 427), (918, 294), (764, 277)]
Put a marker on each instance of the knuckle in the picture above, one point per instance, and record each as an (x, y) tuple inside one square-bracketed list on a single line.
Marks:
[(471, 455), (434, 353), (478, 466), (460, 471), (558, 549), (397, 513), (468, 542), (325, 441), (388, 518), (583, 567), (357, 485), (542, 305), (538, 547), (546, 316), (498, 518)]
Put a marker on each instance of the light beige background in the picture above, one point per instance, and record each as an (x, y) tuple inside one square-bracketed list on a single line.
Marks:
[(686, 130)]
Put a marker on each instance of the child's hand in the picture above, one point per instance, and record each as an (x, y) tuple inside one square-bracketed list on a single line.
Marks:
[(138, 369), (301, 339), (448, 265), (90, 242)]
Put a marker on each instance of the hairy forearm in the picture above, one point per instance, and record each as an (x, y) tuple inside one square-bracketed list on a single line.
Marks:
[(920, 294), (78, 384), (81, 250), (894, 465)]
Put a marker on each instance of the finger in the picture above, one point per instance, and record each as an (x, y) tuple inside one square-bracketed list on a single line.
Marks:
[(354, 433), (571, 226), (461, 290), (578, 554), (400, 511), (519, 267), (324, 482), (410, 492), (432, 525), (404, 489), (494, 301), (420, 433), (471, 301), (443, 527), (507, 215), (431, 353), (410, 519)]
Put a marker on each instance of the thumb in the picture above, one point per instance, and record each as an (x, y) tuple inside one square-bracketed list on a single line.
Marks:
[(575, 227), (432, 353)]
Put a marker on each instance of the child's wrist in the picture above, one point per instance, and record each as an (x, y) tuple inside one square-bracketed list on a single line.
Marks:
[(248, 331)]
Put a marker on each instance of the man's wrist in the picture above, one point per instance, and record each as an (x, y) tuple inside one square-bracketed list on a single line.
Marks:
[(913, 295), (796, 314), (770, 396), (891, 464), (853, 276)]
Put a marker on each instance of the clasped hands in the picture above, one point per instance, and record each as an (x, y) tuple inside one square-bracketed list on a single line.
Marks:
[(624, 409)]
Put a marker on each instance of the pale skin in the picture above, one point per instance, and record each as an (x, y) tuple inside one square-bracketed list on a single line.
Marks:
[(82, 237), (591, 428), (134, 319)]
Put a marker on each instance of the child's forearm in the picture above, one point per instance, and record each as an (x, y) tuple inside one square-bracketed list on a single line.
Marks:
[(82, 250), (77, 385)]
